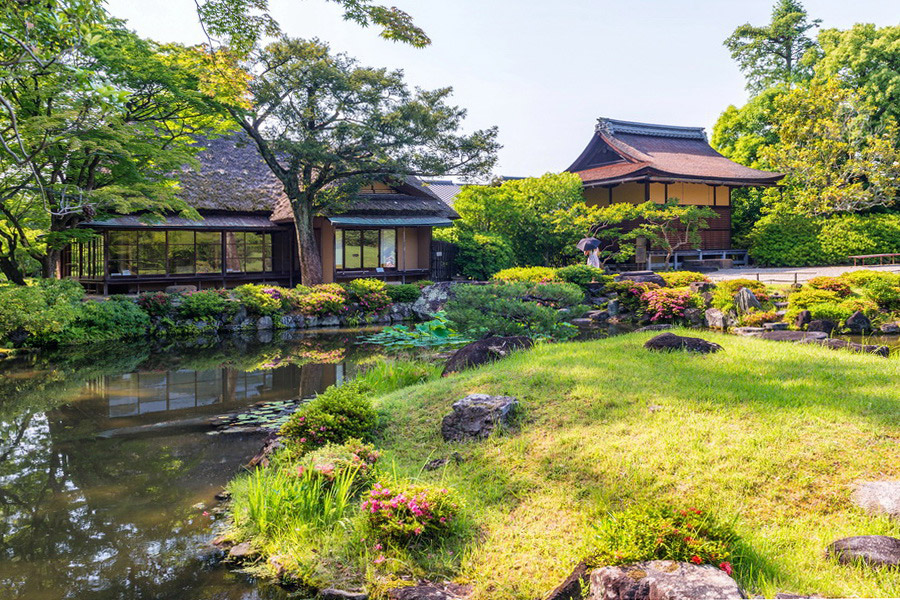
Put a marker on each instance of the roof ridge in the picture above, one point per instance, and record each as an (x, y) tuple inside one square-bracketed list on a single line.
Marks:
[(615, 126)]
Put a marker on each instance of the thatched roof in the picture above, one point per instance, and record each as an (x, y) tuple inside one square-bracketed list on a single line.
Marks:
[(622, 151), (233, 177)]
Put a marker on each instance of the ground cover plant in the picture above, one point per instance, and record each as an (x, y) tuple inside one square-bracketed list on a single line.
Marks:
[(757, 445)]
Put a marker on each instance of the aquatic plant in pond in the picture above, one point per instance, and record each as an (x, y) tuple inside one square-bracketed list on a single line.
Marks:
[(436, 333)]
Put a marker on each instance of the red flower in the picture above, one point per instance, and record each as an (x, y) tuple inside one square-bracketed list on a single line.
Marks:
[(725, 566), (696, 559)]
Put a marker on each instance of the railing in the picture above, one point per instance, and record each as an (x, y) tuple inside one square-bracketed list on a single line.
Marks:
[(740, 257), (880, 257)]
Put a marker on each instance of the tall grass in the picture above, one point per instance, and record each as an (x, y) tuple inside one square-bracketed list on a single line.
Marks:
[(390, 375), (276, 500)]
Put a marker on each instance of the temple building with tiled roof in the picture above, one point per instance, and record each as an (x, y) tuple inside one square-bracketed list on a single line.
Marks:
[(639, 162)]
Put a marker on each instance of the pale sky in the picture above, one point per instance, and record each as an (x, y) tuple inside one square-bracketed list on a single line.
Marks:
[(543, 71)]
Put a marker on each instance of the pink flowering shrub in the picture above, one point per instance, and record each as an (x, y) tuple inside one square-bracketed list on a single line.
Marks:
[(369, 295), (261, 299), (666, 303), (321, 304), (402, 513), (155, 304), (630, 292)]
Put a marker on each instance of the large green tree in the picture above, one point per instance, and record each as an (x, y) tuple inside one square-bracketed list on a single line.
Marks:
[(325, 125), (776, 52)]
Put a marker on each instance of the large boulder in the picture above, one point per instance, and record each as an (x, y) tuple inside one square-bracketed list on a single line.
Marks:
[(878, 497), (890, 328), (823, 325), (874, 550), (694, 317), (669, 341), (858, 323), (663, 580), (476, 416), (485, 351), (716, 319), (746, 301), (642, 277), (433, 299), (804, 318), (836, 344), (400, 311)]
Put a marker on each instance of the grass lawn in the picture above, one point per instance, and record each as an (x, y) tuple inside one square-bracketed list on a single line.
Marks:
[(769, 434)]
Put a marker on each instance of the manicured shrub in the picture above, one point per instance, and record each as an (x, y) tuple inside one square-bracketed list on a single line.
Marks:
[(206, 304), (682, 278), (338, 414), (502, 309), (807, 297), (666, 303), (423, 283), (404, 512), (38, 311), (155, 304), (883, 292), (333, 460), (831, 284), (869, 307), (756, 319), (733, 286), (261, 300), (644, 533), (864, 277), (113, 319), (557, 295), (321, 304), (831, 311), (405, 292), (527, 274), (369, 294), (582, 275)]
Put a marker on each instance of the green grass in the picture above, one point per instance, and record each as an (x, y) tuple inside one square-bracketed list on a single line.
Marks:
[(767, 435)]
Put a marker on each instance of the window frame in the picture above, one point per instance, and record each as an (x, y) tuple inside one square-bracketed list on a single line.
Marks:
[(361, 246)]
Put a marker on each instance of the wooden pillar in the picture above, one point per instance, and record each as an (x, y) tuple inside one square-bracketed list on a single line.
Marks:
[(403, 258), (646, 191), (222, 250)]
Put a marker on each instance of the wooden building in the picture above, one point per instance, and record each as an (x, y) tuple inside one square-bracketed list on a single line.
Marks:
[(640, 162), (246, 232)]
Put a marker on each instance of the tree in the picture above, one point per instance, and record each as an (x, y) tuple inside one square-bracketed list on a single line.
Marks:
[(673, 226), (96, 121), (324, 125), (836, 157), (613, 225), (531, 214), (777, 52)]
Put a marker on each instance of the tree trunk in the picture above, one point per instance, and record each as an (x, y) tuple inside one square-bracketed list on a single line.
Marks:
[(12, 271), (51, 263), (307, 246)]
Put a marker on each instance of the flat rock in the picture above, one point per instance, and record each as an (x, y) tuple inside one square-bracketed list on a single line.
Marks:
[(791, 336), (878, 497), (836, 344), (890, 328), (242, 551), (747, 331), (583, 323), (670, 341), (336, 594), (597, 315), (663, 580), (642, 277), (656, 327), (874, 550), (485, 351), (476, 416), (428, 592), (775, 326)]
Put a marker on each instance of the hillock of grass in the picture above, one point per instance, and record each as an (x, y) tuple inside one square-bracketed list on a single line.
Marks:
[(767, 437)]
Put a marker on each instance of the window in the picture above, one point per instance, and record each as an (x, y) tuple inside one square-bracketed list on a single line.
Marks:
[(151, 253), (248, 252), (365, 248), (123, 252), (209, 252)]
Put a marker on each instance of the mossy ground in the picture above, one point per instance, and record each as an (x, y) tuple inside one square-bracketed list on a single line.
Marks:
[(771, 435)]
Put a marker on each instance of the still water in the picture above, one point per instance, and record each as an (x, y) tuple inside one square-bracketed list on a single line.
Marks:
[(94, 504)]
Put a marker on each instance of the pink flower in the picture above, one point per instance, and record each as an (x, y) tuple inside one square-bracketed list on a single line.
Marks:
[(726, 566), (696, 559), (380, 559)]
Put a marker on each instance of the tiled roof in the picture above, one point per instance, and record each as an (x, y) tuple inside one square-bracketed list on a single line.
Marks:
[(445, 189), (208, 221), (645, 152), (385, 205)]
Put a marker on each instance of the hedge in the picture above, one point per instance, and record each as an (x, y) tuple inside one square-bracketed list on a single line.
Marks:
[(780, 240)]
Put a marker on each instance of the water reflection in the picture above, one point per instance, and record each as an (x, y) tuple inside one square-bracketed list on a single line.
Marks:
[(87, 516)]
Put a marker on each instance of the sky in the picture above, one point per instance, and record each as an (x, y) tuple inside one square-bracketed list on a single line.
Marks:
[(544, 71)]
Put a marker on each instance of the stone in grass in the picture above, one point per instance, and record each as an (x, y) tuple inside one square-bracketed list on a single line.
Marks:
[(775, 326), (791, 336), (804, 318), (670, 341), (716, 319), (429, 591), (336, 594), (890, 328), (241, 552), (476, 416), (822, 325), (663, 580), (485, 351), (836, 344), (878, 497), (874, 550), (858, 323)]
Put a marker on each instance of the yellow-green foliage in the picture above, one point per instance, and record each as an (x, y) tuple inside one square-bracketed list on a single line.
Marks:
[(528, 274), (682, 278)]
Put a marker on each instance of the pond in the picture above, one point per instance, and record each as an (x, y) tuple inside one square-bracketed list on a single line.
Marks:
[(96, 502)]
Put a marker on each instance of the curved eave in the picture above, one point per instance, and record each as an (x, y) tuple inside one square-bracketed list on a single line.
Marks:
[(654, 176)]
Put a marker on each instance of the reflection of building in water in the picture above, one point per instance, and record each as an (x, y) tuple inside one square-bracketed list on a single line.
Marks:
[(143, 393)]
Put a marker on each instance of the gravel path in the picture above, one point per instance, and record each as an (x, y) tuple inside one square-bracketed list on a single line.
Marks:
[(793, 275)]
